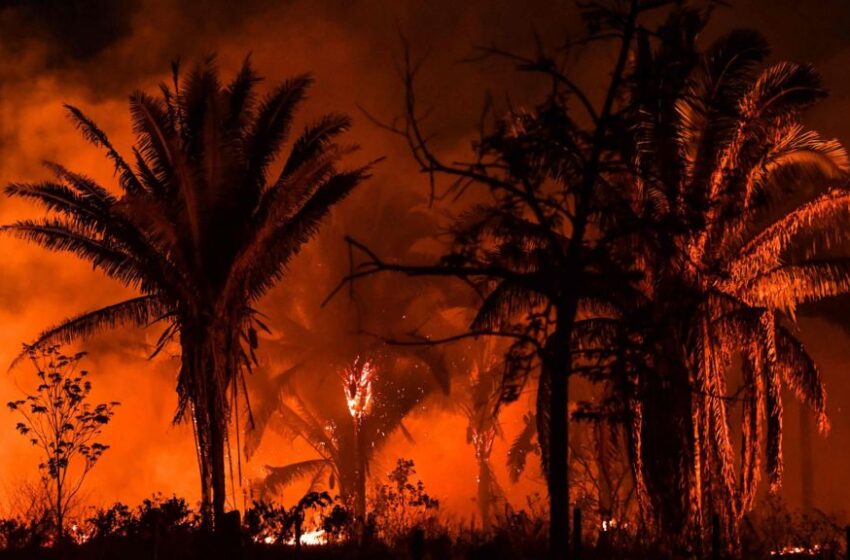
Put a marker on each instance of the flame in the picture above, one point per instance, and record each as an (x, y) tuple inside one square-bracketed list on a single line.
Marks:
[(611, 524), (310, 538), (78, 534), (357, 384), (794, 550), (314, 538)]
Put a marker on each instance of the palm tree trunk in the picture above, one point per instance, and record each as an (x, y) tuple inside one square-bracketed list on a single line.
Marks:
[(219, 491), (484, 493), (360, 478), (202, 442), (207, 366), (807, 479), (555, 374)]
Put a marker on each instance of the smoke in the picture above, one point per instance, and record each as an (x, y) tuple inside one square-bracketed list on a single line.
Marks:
[(94, 53)]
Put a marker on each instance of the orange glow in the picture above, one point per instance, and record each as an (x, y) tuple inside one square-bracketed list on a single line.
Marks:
[(312, 538)]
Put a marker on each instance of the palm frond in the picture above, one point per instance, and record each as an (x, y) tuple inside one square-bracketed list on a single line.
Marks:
[(315, 139), (801, 375), (522, 445), (503, 303), (93, 134), (268, 406), (278, 478), (136, 311), (64, 235), (789, 286), (764, 250), (783, 89), (241, 97), (271, 127), (263, 264)]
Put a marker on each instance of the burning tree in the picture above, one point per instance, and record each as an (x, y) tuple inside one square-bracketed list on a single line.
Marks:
[(480, 404), (346, 423), (200, 227), (357, 384), (299, 380), (63, 425)]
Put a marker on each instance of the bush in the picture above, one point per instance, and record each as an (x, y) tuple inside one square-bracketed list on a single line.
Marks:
[(401, 504), (773, 530)]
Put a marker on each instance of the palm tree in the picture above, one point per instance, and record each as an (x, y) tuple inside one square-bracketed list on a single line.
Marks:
[(319, 414), (480, 404), (319, 342), (740, 201), (200, 227)]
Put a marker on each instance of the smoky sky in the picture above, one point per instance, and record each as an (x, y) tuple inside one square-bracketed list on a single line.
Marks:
[(71, 31), (94, 53)]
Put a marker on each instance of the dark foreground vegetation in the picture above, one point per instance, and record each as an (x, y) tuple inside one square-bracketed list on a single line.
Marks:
[(404, 526)]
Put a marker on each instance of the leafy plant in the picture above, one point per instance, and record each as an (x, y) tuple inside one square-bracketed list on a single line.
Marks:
[(401, 503), (116, 520), (269, 523), (59, 420)]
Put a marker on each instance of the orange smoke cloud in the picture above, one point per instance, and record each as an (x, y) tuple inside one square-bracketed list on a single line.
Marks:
[(350, 50), (94, 57)]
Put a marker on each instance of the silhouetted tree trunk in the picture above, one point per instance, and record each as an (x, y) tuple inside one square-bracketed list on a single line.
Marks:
[(360, 475), (299, 530), (208, 365), (202, 441), (807, 479), (553, 434), (606, 486), (484, 492), (218, 430), (566, 252), (60, 514)]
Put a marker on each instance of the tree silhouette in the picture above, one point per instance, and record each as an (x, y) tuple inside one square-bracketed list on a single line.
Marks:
[(737, 202), (480, 402), (317, 343), (533, 252), (346, 444), (201, 228), (266, 522), (59, 419)]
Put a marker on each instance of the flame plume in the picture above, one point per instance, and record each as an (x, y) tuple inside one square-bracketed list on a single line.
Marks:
[(357, 384)]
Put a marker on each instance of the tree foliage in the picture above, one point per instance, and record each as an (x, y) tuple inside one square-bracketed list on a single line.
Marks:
[(202, 226), (733, 205), (60, 421)]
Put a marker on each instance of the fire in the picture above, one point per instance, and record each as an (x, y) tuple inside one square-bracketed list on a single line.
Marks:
[(78, 534), (314, 538), (310, 538), (357, 384), (611, 524), (795, 550)]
